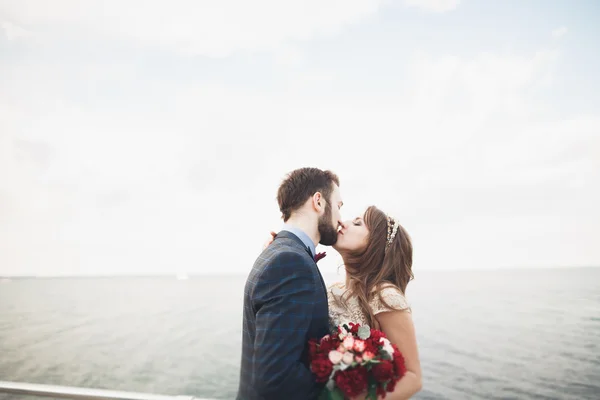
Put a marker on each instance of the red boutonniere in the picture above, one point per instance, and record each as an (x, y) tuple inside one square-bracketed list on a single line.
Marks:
[(320, 256)]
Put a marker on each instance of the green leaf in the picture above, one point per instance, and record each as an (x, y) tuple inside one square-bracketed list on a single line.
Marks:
[(372, 393), (336, 394), (324, 395)]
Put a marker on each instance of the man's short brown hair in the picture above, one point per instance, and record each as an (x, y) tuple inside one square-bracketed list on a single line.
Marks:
[(300, 184)]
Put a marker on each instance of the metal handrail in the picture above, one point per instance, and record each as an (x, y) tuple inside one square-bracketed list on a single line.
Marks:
[(68, 392)]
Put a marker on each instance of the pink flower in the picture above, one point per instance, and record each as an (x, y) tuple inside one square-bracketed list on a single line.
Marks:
[(341, 349), (359, 345), (349, 342), (348, 358), (367, 356), (335, 356), (358, 359)]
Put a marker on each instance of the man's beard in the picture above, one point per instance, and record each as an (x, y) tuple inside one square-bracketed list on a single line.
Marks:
[(327, 231)]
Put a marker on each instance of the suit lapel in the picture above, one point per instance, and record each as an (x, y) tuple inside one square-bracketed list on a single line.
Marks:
[(322, 281), (296, 239)]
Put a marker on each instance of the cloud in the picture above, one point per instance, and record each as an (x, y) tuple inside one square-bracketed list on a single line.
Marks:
[(437, 6), (109, 168), (483, 85), (289, 56), (560, 32), (190, 27), (14, 32)]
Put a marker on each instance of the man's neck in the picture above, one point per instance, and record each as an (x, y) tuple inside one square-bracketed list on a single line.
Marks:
[(307, 226)]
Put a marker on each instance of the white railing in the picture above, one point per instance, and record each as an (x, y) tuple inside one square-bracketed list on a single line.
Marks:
[(68, 392)]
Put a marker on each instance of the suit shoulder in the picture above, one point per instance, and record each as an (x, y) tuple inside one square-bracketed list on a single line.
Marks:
[(289, 257), (284, 249), (284, 260)]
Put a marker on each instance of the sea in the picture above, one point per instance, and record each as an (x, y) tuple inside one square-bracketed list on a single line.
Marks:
[(482, 334)]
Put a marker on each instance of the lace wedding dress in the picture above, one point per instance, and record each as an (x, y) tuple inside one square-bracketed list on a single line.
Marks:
[(340, 312)]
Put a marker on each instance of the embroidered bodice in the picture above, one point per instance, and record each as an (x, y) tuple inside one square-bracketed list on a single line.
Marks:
[(340, 312)]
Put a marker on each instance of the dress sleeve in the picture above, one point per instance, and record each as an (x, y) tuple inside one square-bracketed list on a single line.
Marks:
[(394, 299)]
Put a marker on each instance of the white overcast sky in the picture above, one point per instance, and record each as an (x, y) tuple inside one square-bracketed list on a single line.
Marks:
[(147, 137)]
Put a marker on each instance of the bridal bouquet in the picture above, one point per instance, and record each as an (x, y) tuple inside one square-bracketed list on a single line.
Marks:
[(355, 360)]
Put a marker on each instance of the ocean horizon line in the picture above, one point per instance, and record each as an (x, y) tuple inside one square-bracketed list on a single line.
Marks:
[(187, 275)]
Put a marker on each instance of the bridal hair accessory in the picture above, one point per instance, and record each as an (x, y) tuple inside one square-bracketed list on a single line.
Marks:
[(391, 230)]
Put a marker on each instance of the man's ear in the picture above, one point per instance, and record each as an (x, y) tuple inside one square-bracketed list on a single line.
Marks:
[(318, 202)]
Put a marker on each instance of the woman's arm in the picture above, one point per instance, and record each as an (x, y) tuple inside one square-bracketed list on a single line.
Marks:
[(399, 329)]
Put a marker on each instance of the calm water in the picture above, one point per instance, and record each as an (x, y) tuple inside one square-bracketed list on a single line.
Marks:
[(532, 334)]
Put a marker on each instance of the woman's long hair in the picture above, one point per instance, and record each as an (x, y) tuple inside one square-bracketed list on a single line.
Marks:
[(378, 266)]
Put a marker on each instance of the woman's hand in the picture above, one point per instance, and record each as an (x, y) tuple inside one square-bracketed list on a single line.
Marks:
[(270, 240)]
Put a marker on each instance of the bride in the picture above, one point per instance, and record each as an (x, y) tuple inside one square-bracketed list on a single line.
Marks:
[(377, 256)]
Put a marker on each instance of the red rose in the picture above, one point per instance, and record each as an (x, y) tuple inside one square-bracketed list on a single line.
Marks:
[(391, 385), (399, 364), (383, 372), (371, 346), (352, 381), (376, 335), (354, 328), (322, 368), (382, 390), (328, 343)]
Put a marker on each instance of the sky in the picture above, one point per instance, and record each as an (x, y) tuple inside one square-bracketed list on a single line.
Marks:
[(146, 137)]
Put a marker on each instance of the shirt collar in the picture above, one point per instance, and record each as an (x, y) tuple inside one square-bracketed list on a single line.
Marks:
[(302, 236)]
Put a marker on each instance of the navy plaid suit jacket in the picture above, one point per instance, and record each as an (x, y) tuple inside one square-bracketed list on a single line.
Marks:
[(285, 304)]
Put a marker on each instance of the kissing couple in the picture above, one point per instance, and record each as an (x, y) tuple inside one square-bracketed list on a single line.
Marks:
[(286, 301)]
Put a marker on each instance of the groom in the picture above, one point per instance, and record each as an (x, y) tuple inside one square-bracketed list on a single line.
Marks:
[(285, 299)]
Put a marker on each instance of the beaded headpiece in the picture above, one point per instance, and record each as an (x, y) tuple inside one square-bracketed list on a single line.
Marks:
[(392, 229)]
